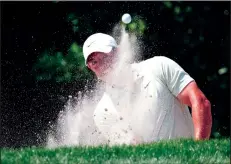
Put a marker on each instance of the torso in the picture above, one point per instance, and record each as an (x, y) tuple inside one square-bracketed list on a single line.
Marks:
[(151, 110)]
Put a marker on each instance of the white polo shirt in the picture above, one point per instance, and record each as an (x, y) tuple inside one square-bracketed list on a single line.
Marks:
[(149, 110)]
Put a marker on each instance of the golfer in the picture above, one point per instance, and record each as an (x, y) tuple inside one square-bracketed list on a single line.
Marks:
[(160, 94)]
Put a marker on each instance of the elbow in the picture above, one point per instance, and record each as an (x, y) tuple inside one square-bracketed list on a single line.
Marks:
[(207, 113), (207, 105), (207, 108), (204, 104)]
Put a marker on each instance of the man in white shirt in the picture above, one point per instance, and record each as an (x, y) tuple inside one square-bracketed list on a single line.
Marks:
[(146, 101)]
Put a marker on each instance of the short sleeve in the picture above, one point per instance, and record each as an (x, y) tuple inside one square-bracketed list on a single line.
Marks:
[(174, 75)]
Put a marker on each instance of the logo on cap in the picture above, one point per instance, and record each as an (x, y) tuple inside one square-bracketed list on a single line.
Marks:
[(91, 43)]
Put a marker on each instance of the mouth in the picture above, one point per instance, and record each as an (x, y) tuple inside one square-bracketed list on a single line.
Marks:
[(106, 70)]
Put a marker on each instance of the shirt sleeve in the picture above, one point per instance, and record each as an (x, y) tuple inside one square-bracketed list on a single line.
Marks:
[(174, 75)]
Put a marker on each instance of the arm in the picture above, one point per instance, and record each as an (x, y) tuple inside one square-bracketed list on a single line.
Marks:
[(192, 96), (184, 87), (186, 90)]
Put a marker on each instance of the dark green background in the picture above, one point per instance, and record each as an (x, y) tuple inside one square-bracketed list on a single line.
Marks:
[(194, 34)]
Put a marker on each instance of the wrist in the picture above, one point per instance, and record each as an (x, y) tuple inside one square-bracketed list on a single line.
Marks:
[(202, 135)]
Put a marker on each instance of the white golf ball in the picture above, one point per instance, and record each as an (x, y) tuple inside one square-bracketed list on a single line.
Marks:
[(126, 18)]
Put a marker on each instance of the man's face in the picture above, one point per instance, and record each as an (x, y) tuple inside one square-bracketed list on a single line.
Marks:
[(101, 63)]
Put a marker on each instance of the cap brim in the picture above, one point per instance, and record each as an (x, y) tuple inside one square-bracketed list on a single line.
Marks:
[(104, 49)]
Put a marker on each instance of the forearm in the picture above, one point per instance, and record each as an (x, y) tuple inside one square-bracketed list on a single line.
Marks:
[(202, 120)]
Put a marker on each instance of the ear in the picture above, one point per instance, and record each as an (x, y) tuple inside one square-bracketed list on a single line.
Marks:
[(88, 68)]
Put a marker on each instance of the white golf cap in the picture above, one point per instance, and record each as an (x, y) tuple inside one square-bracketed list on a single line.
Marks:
[(98, 42)]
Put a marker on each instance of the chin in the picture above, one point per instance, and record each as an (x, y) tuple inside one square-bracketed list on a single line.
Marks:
[(104, 76)]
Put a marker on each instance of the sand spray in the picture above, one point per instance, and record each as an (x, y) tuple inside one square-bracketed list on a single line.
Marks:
[(75, 125)]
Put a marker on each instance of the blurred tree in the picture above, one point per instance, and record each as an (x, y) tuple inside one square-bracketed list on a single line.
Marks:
[(64, 67), (56, 66), (137, 26)]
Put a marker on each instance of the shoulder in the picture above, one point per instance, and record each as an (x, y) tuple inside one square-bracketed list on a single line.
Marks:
[(155, 64), (160, 60), (163, 63), (154, 61), (152, 67)]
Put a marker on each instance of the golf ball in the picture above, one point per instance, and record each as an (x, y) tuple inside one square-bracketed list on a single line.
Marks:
[(126, 18)]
